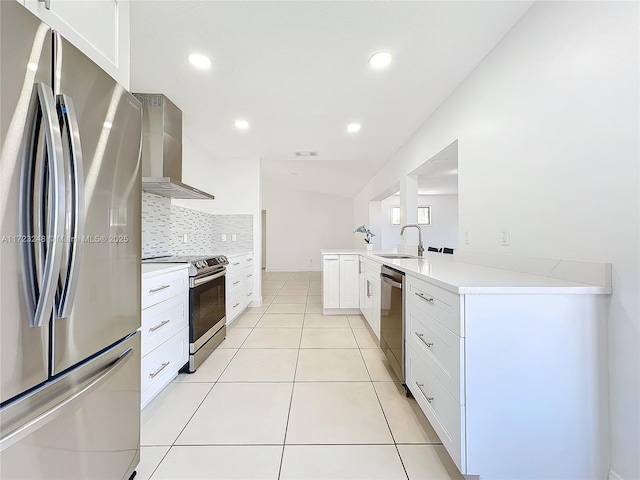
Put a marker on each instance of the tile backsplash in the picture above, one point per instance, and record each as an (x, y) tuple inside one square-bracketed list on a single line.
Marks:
[(164, 227)]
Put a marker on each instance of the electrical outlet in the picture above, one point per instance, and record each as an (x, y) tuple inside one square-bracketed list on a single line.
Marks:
[(224, 237), (505, 237), (467, 238), (185, 238), (234, 237)]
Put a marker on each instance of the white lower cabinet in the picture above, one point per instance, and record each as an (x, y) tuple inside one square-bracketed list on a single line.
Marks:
[(239, 285), (340, 284), (370, 293), (165, 329), (512, 383)]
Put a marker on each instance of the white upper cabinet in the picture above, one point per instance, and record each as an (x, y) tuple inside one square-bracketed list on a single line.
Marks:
[(99, 28)]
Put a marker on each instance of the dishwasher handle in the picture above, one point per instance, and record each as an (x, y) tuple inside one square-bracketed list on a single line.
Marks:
[(387, 279)]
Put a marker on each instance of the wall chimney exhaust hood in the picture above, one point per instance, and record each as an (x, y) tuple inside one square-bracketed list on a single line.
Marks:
[(162, 149)]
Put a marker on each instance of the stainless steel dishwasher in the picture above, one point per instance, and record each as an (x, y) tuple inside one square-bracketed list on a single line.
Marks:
[(392, 318)]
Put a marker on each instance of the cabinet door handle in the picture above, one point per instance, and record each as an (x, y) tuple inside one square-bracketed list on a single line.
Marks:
[(421, 337), (47, 4), (250, 275), (428, 299), (330, 259), (237, 263), (368, 289), (154, 290), (160, 325), (162, 367), (249, 294), (235, 283), (249, 259), (236, 305), (420, 385)]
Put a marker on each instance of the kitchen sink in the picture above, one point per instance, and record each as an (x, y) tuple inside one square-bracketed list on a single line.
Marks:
[(394, 255)]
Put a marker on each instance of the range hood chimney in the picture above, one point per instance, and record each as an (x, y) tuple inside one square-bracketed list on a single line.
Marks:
[(162, 149)]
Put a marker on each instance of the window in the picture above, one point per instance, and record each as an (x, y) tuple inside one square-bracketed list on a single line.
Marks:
[(395, 215), (424, 215)]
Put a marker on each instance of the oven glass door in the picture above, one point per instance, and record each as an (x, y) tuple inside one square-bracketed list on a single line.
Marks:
[(207, 301)]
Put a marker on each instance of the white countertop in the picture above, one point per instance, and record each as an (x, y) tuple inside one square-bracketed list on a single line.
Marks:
[(149, 269), (465, 278)]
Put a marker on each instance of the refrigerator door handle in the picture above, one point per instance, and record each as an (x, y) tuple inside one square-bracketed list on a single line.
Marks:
[(75, 226), (39, 281), (66, 404)]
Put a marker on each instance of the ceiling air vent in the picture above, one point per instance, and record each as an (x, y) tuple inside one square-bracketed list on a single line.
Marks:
[(305, 154)]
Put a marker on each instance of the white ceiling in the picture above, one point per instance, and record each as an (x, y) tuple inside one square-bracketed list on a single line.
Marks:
[(298, 72)]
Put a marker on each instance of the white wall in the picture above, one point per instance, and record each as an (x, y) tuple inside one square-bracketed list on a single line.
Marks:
[(548, 146), (235, 182), (443, 231), (301, 223)]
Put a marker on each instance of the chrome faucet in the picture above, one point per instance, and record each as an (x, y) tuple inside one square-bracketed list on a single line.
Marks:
[(420, 246)]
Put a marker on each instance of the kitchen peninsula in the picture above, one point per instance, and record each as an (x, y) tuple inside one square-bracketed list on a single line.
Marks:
[(498, 359)]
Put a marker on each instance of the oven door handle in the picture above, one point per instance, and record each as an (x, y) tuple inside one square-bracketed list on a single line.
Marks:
[(199, 281)]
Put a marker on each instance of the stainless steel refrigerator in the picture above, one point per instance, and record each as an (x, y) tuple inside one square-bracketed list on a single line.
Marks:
[(69, 260)]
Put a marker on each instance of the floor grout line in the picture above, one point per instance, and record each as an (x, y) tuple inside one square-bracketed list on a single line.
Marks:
[(299, 348), (293, 387)]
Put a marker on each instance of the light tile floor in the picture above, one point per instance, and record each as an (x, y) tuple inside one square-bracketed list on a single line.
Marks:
[(291, 394)]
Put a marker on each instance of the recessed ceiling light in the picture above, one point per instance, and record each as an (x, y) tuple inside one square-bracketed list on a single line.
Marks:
[(293, 173), (107, 125), (354, 127), (241, 124), (380, 60), (200, 61)]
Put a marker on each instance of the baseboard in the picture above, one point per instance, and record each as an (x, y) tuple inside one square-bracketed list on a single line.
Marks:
[(341, 311), (614, 476), (256, 302)]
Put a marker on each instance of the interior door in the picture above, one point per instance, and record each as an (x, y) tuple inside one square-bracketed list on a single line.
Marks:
[(99, 294), (25, 52)]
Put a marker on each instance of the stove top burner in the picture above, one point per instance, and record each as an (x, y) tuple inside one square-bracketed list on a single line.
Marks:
[(199, 265)]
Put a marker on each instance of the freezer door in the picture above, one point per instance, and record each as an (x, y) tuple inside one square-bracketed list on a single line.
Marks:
[(84, 425), (29, 140), (99, 287)]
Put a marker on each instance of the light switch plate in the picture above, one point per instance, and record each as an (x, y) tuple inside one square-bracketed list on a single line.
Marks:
[(505, 237)]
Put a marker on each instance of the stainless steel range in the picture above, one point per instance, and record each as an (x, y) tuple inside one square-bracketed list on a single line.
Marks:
[(207, 315)]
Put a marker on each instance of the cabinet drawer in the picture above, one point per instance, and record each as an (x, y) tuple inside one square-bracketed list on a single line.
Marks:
[(444, 412), (162, 364), (439, 304), (238, 263), (234, 284), (439, 348), (163, 320), (235, 305), (162, 286)]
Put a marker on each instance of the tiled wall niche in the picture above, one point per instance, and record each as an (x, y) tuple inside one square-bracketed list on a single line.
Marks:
[(164, 226)]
